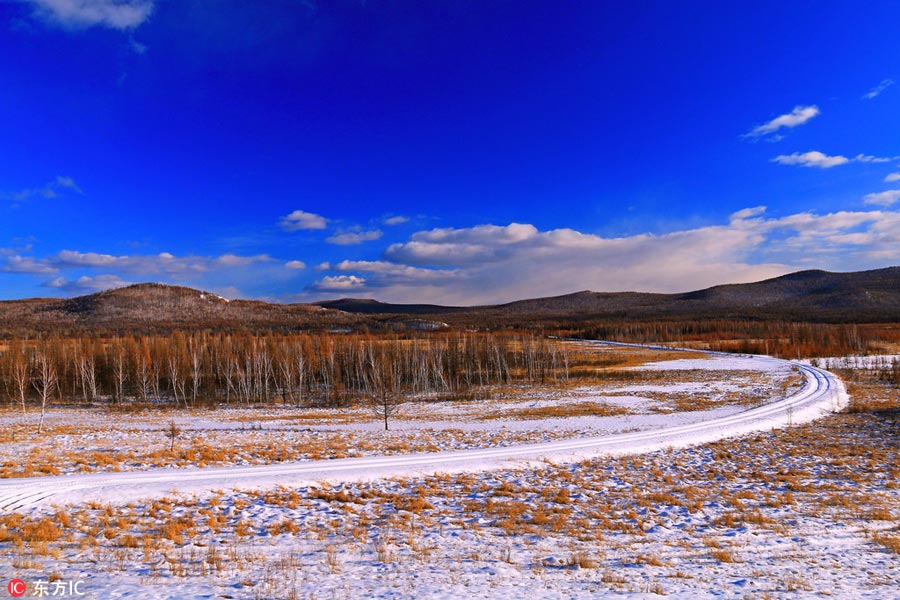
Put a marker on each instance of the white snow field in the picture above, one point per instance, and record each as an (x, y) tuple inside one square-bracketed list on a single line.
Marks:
[(762, 502), (822, 394)]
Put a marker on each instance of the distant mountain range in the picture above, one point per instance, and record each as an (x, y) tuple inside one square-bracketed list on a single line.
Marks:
[(865, 296), (861, 297)]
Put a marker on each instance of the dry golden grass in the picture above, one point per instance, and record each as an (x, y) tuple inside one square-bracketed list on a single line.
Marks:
[(724, 555), (574, 409), (890, 542)]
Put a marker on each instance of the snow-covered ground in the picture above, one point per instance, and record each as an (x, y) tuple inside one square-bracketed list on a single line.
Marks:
[(800, 510)]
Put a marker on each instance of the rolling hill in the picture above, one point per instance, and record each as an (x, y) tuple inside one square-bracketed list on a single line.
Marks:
[(819, 296)]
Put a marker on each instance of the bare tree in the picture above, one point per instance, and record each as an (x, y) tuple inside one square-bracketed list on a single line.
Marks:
[(45, 380), (20, 371), (386, 383), (87, 372), (120, 369)]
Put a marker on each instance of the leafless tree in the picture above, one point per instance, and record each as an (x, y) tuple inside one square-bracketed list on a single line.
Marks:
[(45, 380), (386, 382)]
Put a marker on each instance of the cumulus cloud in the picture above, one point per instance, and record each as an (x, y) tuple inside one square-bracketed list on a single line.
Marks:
[(349, 238), (83, 14), (798, 116), (302, 220), (876, 91), (892, 177), (49, 191), (398, 220), (338, 283), (296, 265), (886, 198)]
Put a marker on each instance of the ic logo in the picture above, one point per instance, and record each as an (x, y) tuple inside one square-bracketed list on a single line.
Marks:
[(16, 588)]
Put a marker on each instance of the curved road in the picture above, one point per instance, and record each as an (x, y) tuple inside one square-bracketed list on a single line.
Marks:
[(822, 393)]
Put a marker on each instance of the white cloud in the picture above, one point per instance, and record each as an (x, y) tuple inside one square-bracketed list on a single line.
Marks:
[(398, 220), (747, 213), (233, 260), (798, 116), (301, 220), (886, 198), (820, 160), (25, 264), (86, 284), (892, 177), (350, 238), (339, 283), (863, 158), (149, 264), (72, 258), (83, 14), (295, 265), (875, 91), (813, 158), (49, 191)]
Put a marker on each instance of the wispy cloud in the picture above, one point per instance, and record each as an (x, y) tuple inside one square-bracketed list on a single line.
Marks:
[(865, 158), (397, 220), (302, 220), (163, 263), (820, 160), (83, 14), (51, 190), (798, 116), (892, 177), (349, 238), (813, 158), (876, 91), (87, 284), (886, 198)]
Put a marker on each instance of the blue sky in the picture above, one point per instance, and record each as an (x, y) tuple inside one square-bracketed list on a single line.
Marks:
[(450, 152)]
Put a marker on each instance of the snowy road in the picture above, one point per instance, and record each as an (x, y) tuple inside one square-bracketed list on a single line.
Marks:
[(822, 393)]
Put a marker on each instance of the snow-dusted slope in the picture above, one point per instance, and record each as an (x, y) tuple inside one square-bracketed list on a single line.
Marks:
[(821, 394)]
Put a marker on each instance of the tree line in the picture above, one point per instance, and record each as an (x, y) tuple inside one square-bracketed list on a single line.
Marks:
[(193, 368), (785, 339)]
